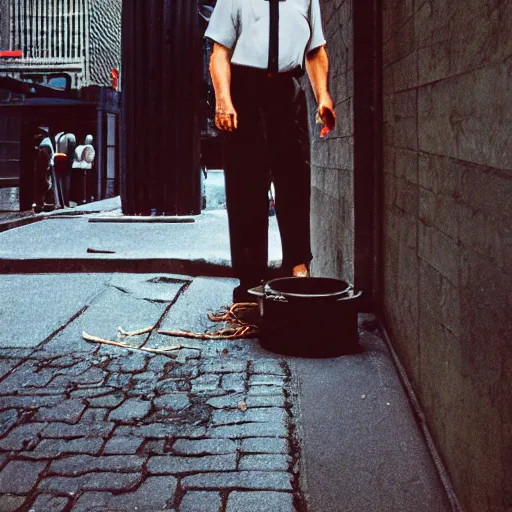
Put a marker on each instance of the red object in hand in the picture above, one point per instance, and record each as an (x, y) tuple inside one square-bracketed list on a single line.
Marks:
[(329, 121), (114, 74)]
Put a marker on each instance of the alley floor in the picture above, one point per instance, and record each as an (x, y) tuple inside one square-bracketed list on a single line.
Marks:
[(103, 428), (221, 426), (213, 426)]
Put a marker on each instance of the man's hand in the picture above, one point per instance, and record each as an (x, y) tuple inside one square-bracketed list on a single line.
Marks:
[(226, 118), (317, 66), (326, 115)]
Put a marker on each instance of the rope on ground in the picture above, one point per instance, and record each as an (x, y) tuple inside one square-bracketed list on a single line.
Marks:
[(223, 334), (232, 315)]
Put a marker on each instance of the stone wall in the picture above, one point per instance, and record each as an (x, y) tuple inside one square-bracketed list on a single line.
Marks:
[(332, 158), (448, 229)]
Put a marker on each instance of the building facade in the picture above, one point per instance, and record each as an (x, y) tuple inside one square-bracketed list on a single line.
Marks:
[(71, 45), (71, 42)]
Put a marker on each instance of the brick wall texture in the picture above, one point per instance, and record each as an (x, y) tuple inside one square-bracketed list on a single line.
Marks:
[(447, 220), (332, 158), (448, 229)]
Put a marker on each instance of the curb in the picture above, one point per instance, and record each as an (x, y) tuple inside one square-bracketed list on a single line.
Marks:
[(192, 268), (18, 223)]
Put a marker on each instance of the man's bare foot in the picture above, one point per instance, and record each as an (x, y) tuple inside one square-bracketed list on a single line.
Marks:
[(300, 271)]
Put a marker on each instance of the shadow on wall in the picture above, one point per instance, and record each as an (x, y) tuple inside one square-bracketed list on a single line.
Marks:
[(447, 231)]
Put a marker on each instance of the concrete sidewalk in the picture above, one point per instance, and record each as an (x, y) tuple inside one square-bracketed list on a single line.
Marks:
[(13, 218), (212, 426)]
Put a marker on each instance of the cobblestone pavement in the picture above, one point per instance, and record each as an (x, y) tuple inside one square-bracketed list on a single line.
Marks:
[(92, 428)]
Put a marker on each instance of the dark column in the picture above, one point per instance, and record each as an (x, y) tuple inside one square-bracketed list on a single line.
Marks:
[(367, 23), (161, 80), (99, 144)]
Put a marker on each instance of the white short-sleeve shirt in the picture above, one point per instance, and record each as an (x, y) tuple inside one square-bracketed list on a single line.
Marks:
[(243, 26)]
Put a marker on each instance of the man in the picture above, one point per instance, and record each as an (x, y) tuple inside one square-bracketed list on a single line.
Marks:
[(45, 194), (65, 144), (260, 47), (83, 161)]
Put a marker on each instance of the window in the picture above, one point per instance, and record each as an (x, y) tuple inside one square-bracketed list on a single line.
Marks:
[(61, 81)]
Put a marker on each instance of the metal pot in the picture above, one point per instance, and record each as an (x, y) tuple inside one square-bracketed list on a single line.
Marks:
[(308, 316)]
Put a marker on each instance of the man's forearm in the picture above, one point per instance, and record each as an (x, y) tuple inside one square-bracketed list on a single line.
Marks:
[(317, 66), (220, 70)]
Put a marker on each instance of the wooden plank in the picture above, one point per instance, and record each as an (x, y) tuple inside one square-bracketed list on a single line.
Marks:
[(139, 219)]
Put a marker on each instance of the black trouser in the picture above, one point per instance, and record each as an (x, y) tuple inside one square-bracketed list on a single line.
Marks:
[(44, 178), (271, 143), (63, 177)]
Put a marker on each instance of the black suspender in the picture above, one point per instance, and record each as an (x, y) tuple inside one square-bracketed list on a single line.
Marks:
[(273, 47)]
